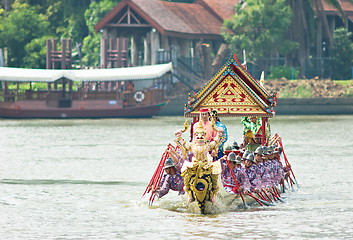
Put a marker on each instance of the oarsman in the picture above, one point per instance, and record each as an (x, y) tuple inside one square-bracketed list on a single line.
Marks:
[(278, 152), (178, 157), (228, 178), (171, 180), (277, 168), (235, 146), (251, 173), (270, 168), (261, 170), (245, 154), (240, 175)]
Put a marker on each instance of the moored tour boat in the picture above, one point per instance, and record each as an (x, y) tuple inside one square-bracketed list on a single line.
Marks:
[(97, 93)]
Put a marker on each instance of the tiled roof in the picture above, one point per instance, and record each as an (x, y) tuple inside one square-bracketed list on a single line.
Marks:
[(223, 8), (196, 17), (170, 17), (346, 6)]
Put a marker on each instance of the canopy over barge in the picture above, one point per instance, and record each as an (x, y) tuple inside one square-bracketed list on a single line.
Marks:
[(233, 92)]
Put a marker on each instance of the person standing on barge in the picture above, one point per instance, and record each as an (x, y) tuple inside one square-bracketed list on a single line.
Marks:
[(219, 124), (207, 125), (254, 143)]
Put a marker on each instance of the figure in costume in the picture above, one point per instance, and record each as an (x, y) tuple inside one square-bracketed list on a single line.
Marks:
[(201, 174), (219, 124), (210, 131), (251, 123)]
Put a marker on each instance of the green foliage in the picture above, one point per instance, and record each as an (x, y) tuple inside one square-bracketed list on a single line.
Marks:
[(21, 26), (282, 72), (36, 53), (345, 82), (260, 27), (91, 43), (303, 91), (342, 54)]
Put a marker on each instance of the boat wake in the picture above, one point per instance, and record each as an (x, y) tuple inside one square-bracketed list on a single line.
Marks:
[(66, 181)]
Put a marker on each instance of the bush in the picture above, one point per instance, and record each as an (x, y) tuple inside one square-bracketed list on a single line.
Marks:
[(342, 54), (283, 72)]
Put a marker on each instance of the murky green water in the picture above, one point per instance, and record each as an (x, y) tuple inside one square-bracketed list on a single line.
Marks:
[(83, 179)]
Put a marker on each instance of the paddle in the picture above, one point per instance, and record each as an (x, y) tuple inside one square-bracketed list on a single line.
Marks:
[(259, 200), (276, 196), (286, 160), (158, 179), (261, 196), (160, 173), (267, 195), (236, 183), (276, 191), (157, 176)]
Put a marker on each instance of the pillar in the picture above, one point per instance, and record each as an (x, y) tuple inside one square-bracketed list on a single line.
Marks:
[(147, 48), (134, 50), (155, 45)]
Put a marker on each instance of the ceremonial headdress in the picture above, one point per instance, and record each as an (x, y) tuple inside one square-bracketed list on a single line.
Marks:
[(199, 127), (249, 134), (214, 113)]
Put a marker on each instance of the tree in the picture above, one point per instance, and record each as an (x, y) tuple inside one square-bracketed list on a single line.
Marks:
[(310, 29), (20, 27), (342, 54), (36, 53), (91, 43), (260, 27)]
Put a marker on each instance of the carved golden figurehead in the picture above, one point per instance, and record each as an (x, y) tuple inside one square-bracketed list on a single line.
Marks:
[(200, 133)]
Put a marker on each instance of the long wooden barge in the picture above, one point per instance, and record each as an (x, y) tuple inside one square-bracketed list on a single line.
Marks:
[(100, 93)]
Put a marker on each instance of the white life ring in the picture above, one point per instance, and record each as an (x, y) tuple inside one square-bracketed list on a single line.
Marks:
[(139, 96)]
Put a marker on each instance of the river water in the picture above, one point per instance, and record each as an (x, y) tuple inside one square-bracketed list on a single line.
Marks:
[(83, 179)]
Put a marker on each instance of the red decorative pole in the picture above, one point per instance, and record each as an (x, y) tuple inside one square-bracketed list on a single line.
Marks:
[(264, 121)]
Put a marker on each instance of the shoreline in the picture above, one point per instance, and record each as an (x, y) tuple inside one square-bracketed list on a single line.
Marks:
[(285, 106)]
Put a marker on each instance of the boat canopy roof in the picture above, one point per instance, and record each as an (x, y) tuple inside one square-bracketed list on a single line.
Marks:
[(89, 75), (232, 92)]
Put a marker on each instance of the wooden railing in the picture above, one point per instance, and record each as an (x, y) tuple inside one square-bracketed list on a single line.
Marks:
[(55, 98)]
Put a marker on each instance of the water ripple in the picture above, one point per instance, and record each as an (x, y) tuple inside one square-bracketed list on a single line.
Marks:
[(65, 181)]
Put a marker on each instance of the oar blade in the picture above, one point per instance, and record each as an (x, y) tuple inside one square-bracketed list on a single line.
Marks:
[(266, 203)]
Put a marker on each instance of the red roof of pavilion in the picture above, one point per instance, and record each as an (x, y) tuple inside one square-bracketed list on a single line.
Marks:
[(170, 18), (233, 92)]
